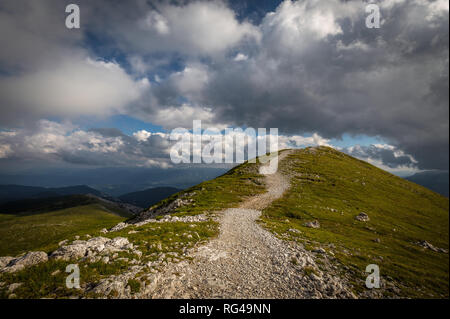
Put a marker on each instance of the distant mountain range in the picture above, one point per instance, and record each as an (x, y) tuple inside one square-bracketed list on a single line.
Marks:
[(17, 192), (148, 197), (435, 180), (19, 199), (51, 204), (114, 181)]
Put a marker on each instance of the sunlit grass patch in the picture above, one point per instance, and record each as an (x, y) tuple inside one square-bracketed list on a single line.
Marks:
[(43, 231), (333, 188)]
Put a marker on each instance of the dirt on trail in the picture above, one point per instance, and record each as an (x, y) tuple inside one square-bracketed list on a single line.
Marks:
[(247, 261)]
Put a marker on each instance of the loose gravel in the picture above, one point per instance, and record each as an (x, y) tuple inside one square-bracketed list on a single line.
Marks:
[(247, 261)]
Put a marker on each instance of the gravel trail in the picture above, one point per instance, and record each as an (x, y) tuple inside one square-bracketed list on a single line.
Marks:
[(246, 261)]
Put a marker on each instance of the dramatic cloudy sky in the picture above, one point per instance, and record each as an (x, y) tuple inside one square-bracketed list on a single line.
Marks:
[(109, 93)]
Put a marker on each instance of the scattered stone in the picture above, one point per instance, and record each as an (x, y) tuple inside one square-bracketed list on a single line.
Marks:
[(91, 248), (377, 240), (63, 242), (119, 226), (319, 250), (362, 217), (14, 286), (427, 245), (313, 224), (293, 230), (172, 219), (55, 272), (315, 277), (152, 212), (104, 231), (94, 259)]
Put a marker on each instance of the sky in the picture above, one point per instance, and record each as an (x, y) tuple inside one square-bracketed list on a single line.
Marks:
[(109, 93)]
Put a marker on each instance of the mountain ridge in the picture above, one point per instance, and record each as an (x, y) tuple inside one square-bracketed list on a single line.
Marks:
[(148, 197), (437, 181), (11, 192)]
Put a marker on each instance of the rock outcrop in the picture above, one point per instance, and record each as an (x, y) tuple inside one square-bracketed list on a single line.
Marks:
[(92, 248), (427, 245), (30, 259), (165, 209)]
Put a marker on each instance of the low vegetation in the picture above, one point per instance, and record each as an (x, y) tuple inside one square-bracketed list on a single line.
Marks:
[(24, 232), (326, 186), (159, 243), (225, 191), (333, 188)]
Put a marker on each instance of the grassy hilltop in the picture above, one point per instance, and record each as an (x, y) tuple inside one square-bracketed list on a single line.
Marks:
[(332, 187)]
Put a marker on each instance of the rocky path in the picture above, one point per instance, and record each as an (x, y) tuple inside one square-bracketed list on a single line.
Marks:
[(247, 261)]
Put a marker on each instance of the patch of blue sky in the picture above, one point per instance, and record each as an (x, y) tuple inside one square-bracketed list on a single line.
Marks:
[(360, 139), (253, 11), (128, 125)]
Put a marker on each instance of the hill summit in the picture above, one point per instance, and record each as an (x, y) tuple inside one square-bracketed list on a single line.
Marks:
[(308, 231)]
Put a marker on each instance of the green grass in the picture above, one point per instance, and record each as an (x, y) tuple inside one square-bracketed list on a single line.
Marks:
[(20, 233), (38, 281), (326, 185), (170, 237), (225, 191), (153, 240), (156, 241), (135, 285), (333, 188)]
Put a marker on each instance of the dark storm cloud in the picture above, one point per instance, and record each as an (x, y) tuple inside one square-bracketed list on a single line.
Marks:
[(308, 66), (390, 82)]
